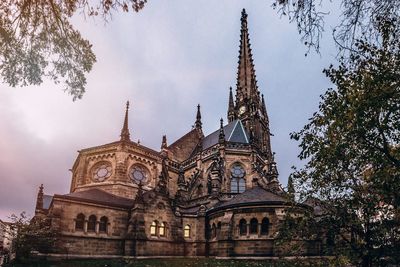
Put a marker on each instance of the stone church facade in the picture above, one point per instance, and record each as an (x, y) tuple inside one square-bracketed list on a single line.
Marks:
[(202, 195)]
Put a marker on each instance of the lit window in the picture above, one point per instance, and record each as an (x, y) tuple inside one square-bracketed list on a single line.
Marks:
[(153, 228), (186, 231), (161, 229), (238, 183)]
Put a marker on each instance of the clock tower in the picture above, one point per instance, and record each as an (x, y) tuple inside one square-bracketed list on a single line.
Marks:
[(249, 105)]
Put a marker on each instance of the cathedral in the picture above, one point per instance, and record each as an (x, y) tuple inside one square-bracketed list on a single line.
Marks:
[(202, 195)]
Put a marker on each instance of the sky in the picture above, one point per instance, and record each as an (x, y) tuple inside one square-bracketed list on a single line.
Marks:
[(165, 60)]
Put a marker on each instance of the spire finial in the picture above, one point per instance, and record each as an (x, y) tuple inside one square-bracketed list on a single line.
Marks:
[(221, 137), (125, 135), (244, 15), (198, 123)]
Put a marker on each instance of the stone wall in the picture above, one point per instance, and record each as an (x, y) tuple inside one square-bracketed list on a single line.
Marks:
[(90, 245)]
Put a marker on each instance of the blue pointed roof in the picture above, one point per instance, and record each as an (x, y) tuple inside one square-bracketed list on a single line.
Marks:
[(234, 132)]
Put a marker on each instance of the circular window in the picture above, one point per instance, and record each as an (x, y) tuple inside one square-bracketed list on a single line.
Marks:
[(138, 174), (101, 172), (237, 171)]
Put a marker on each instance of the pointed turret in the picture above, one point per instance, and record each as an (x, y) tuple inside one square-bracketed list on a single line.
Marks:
[(164, 142), (162, 185), (39, 199), (125, 135), (231, 107), (264, 108), (198, 124), (221, 136), (290, 188)]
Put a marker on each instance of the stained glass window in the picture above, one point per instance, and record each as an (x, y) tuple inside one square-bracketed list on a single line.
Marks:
[(238, 183)]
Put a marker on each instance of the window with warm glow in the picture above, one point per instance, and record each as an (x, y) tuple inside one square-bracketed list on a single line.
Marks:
[(186, 231), (161, 229), (153, 228)]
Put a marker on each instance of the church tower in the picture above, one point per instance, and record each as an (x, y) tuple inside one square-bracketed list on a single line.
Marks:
[(249, 106)]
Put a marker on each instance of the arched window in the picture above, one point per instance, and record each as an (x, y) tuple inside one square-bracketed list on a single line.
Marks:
[(199, 192), (153, 228), (253, 226), (242, 227), (219, 225), (213, 231), (80, 222), (186, 231), (208, 231), (264, 226), (161, 229), (103, 224), (238, 184), (91, 227)]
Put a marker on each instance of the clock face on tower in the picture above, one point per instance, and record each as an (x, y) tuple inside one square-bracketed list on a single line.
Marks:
[(242, 109)]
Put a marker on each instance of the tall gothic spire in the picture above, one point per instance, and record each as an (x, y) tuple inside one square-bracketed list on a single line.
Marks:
[(198, 123), (246, 77), (125, 135), (249, 105)]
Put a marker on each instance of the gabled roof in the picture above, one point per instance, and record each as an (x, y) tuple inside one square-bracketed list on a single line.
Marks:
[(98, 196), (234, 132), (252, 196), (183, 147)]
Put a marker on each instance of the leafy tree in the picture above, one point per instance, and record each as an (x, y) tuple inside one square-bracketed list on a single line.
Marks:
[(37, 40), (32, 235), (352, 149), (357, 19)]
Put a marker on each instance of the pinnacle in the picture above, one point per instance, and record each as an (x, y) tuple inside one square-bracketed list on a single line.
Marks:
[(125, 135), (198, 123)]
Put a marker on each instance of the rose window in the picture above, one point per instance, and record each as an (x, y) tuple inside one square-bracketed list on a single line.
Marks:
[(102, 172)]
